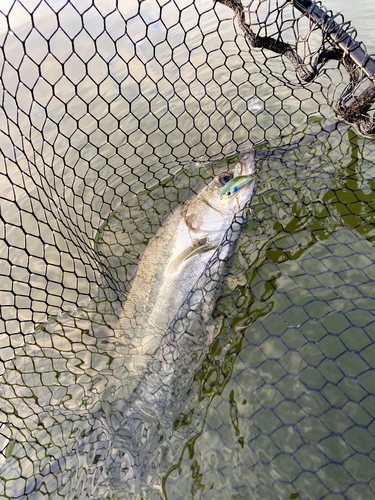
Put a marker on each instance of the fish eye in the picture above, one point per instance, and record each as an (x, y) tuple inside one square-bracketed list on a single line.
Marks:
[(225, 178)]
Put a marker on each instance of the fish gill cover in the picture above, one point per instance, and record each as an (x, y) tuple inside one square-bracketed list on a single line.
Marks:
[(113, 114)]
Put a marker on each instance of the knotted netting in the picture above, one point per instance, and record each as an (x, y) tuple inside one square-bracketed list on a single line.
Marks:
[(113, 113)]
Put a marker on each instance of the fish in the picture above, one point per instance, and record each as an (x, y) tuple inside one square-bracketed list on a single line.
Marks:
[(176, 257), (171, 266), (179, 274)]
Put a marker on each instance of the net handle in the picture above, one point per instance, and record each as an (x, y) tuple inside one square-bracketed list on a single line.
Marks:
[(339, 37)]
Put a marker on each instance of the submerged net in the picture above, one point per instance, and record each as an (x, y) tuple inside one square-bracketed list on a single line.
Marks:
[(263, 385)]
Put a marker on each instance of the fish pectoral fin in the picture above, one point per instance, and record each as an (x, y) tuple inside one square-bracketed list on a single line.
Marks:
[(188, 253)]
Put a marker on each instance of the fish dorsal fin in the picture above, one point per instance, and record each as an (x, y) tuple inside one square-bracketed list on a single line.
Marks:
[(188, 253)]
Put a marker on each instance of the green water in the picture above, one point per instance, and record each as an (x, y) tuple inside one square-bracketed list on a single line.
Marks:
[(283, 401), (293, 410), (302, 382), (279, 403)]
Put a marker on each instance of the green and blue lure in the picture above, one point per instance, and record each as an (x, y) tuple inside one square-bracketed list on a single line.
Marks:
[(232, 186)]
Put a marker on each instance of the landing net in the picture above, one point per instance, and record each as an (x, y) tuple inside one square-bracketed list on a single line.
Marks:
[(113, 113)]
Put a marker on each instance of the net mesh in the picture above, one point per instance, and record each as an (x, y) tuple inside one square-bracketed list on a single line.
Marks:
[(114, 113)]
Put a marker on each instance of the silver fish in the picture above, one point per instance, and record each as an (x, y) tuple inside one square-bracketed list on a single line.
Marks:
[(175, 258), (190, 249), (170, 268)]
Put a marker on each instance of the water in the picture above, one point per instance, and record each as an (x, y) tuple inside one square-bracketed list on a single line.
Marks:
[(360, 19), (286, 400), (298, 395), (278, 400)]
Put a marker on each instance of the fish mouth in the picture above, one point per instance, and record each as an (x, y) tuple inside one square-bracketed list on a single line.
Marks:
[(244, 195)]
